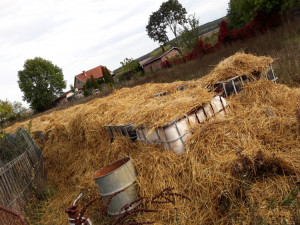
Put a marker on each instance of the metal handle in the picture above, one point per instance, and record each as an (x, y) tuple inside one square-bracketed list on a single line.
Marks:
[(79, 196)]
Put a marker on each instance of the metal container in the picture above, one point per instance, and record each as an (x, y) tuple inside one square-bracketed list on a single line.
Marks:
[(174, 134), (125, 130), (117, 177)]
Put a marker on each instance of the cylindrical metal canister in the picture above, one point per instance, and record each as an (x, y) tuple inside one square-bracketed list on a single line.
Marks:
[(117, 177)]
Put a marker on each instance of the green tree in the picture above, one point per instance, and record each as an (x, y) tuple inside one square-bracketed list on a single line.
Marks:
[(170, 14), (130, 69), (41, 82), (10, 111), (72, 88), (156, 29), (109, 80), (92, 84), (241, 12), (189, 35)]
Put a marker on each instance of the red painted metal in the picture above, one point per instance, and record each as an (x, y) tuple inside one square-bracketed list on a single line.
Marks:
[(10, 217)]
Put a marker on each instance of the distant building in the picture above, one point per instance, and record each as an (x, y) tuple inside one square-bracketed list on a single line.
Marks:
[(63, 98), (81, 78), (154, 63)]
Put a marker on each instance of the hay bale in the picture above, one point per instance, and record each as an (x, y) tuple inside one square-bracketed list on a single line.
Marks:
[(237, 65), (234, 165)]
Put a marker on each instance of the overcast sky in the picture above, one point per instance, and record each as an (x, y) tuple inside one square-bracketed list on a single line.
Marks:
[(79, 35)]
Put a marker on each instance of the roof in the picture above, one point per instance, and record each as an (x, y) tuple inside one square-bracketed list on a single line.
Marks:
[(159, 56), (62, 96), (96, 72)]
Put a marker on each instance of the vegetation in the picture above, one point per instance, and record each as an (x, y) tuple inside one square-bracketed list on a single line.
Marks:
[(170, 15), (280, 43), (241, 12), (10, 111), (41, 82), (108, 79), (202, 30), (130, 69), (189, 35), (160, 50), (92, 84)]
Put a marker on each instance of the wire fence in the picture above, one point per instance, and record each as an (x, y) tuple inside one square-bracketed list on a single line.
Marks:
[(22, 173)]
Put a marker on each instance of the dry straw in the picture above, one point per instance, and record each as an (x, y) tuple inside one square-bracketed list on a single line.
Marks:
[(239, 169), (236, 65)]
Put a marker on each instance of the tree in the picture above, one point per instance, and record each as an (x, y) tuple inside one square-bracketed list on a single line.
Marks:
[(241, 12), (156, 29), (41, 82), (10, 111), (189, 35), (130, 69), (109, 80), (72, 88), (170, 14), (92, 84)]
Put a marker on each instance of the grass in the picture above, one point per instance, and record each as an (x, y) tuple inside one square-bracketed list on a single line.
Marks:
[(281, 44)]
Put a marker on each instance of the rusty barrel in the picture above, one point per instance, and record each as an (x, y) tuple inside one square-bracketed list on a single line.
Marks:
[(116, 183)]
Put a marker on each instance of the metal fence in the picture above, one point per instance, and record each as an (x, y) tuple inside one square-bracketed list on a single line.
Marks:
[(22, 174)]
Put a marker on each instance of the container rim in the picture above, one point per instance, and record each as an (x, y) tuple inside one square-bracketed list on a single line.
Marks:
[(110, 168)]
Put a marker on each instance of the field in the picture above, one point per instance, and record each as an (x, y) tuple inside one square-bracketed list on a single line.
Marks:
[(242, 168)]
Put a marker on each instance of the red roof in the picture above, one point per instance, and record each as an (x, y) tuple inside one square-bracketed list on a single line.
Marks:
[(96, 72)]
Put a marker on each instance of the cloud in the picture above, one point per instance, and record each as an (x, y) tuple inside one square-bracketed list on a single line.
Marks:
[(78, 35)]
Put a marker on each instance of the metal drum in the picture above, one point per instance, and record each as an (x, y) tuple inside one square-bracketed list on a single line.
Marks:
[(117, 181)]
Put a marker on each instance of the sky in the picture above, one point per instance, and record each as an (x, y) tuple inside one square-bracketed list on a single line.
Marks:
[(79, 35)]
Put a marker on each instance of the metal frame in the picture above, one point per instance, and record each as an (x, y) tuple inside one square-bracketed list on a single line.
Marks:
[(178, 88), (270, 75), (163, 140), (126, 130), (11, 217)]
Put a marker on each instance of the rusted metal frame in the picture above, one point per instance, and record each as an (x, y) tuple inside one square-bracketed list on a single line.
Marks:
[(224, 109), (16, 214), (204, 112), (212, 108), (197, 117)]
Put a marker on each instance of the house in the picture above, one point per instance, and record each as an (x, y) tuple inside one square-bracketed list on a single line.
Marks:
[(81, 78), (154, 63)]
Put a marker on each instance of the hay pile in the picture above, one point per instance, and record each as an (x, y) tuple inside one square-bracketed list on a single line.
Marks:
[(240, 169), (136, 104), (236, 65)]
